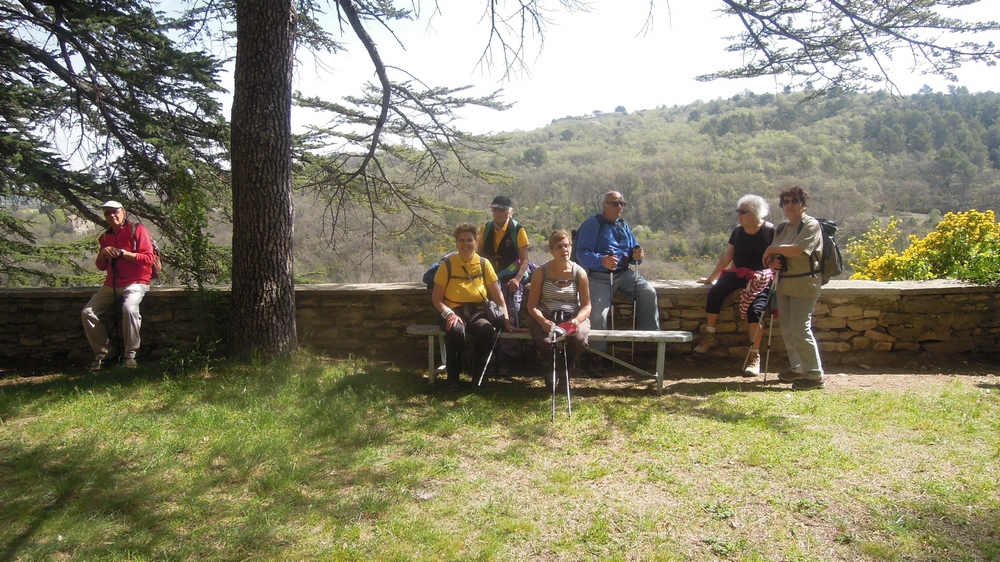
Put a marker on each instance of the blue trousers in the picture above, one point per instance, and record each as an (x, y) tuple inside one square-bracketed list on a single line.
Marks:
[(647, 315)]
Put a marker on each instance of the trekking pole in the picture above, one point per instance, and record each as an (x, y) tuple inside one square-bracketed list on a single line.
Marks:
[(767, 361), (552, 339), (611, 311), (772, 306), (635, 305), (486, 366), (753, 339), (116, 310), (569, 401)]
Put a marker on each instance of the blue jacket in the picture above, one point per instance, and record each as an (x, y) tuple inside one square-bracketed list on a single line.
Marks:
[(597, 236)]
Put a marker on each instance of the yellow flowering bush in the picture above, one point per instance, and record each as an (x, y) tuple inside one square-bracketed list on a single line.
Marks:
[(872, 245), (963, 246)]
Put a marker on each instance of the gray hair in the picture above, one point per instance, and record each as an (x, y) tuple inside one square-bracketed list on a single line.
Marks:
[(756, 204)]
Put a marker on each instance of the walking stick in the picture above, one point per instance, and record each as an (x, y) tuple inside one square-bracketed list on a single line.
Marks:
[(767, 361), (552, 339), (773, 305), (496, 338), (117, 310), (635, 303), (555, 376), (569, 401), (611, 313), (768, 309)]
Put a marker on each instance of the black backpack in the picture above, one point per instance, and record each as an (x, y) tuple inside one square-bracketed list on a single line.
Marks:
[(831, 264)]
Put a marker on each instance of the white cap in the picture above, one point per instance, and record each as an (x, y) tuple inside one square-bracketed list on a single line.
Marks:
[(112, 205)]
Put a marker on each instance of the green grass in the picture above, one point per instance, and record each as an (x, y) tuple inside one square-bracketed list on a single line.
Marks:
[(306, 460)]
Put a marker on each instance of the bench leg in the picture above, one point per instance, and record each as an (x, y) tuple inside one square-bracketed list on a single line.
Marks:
[(444, 355), (661, 353), (431, 371)]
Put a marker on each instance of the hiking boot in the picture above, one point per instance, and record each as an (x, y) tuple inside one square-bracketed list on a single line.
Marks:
[(790, 376), (808, 384), (706, 342), (95, 365), (130, 363), (753, 365)]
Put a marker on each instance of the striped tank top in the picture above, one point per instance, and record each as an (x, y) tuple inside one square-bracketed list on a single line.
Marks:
[(560, 295)]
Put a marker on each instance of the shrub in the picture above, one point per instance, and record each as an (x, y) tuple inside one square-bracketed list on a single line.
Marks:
[(963, 246)]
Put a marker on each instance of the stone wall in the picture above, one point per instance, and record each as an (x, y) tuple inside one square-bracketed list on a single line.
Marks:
[(855, 321)]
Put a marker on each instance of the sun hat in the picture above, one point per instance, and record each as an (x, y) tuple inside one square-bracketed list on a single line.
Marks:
[(501, 202)]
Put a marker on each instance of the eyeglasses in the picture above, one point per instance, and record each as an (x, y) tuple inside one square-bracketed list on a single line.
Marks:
[(742, 212), (790, 202), (111, 212), (615, 203)]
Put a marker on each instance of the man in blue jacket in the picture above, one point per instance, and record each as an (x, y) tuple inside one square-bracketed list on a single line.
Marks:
[(606, 247)]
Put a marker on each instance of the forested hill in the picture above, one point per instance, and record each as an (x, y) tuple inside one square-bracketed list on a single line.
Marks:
[(860, 156), (682, 169)]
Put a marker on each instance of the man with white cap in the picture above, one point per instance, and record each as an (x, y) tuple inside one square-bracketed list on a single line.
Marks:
[(127, 255)]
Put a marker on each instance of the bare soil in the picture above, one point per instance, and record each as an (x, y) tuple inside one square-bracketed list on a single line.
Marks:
[(700, 375), (695, 375)]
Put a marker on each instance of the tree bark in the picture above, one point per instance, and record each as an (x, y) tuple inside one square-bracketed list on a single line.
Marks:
[(263, 294)]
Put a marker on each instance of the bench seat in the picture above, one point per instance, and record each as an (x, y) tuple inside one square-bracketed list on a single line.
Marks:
[(660, 338)]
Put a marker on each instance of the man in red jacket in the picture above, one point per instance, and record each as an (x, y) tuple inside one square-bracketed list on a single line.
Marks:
[(127, 255)]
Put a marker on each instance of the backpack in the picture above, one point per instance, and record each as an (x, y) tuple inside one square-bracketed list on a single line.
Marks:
[(601, 223), (831, 263), (428, 277), (512, 231), (157, 266)]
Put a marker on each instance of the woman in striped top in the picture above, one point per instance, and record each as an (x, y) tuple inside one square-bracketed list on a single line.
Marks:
[(560, 292)]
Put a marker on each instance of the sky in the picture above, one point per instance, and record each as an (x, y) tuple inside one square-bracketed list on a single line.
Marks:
[(588, 61)]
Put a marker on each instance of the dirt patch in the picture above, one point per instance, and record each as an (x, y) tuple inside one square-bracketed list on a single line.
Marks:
[(698, 375), (695, 375)]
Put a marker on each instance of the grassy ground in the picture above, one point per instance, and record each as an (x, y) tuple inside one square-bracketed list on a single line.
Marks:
[(350, 461)]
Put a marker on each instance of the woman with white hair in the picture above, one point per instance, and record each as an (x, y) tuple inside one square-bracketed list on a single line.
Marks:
[(741, 268)]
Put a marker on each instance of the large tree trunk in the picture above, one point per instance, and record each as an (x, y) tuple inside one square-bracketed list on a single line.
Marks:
[(263, 297)]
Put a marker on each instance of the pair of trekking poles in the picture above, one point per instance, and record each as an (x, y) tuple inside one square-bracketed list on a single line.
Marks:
[(635, 301), (769, 308)]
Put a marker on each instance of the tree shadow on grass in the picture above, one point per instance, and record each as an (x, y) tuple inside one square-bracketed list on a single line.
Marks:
[(944, 529), (74, 490)]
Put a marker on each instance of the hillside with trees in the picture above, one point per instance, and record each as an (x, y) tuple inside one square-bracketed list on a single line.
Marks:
[(860, 156)]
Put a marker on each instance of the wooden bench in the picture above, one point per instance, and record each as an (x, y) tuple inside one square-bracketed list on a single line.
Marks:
[(661, 339)]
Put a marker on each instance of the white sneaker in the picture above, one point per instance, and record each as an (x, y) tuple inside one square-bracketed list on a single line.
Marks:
[(753, 365)]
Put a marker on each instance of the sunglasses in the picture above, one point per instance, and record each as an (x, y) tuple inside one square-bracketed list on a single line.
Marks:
[(112, 212), (615, 203), (742, 212), (790, 202)]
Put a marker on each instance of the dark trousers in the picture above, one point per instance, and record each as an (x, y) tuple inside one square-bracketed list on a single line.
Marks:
[(482, 333), (724, 286)]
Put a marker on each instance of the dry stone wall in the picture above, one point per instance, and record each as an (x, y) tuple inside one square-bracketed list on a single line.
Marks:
[(855, 321)]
